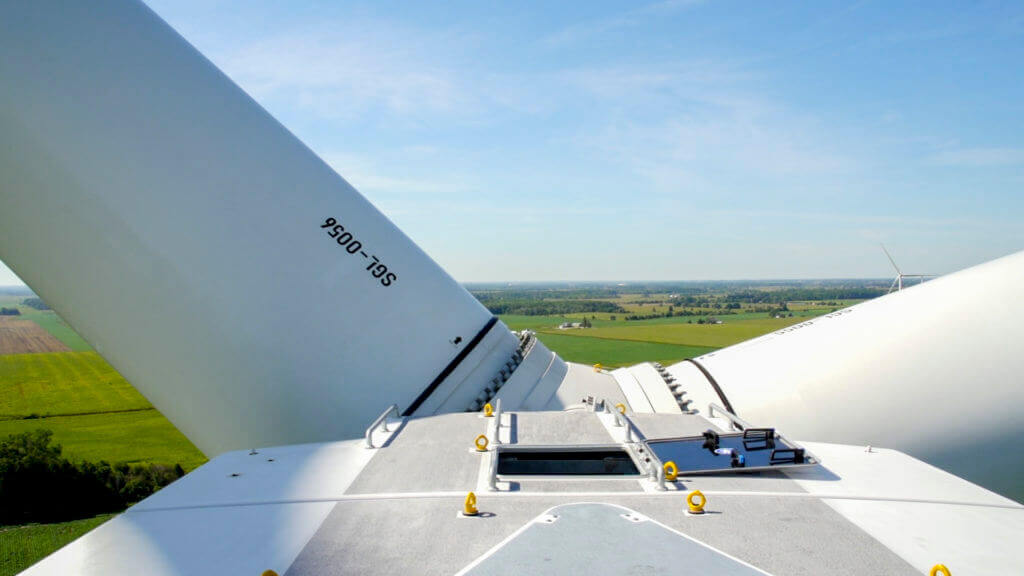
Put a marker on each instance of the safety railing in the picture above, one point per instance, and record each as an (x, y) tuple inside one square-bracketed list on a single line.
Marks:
[(620, 419), (381, 420), (492, 471), (742, 424), (497, 422), (736, 420)]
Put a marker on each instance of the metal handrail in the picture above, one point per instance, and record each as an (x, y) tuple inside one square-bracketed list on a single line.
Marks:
[(743, 424), (497, 422), (382, 419), (492, 471)]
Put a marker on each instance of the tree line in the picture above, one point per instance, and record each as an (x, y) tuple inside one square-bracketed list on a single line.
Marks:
[(38, 484), (36, 303), (548, 307)]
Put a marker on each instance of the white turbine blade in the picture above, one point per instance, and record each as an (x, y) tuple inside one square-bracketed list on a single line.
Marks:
[(889, 256), (238, 215)]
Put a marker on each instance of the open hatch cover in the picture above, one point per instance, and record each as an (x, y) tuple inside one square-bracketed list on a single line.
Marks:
[(750, 450)]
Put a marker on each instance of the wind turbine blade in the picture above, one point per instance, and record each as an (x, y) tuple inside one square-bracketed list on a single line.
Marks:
[(891, 261), (893, 285)]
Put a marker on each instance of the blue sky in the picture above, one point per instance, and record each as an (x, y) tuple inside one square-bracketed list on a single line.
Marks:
[(670, 140)]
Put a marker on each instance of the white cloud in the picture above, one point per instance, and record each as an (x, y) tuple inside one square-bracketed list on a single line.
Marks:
[(340, 70)]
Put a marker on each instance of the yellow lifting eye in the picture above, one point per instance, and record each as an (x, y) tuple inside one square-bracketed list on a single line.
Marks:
[(469, 508), (939, 569), (481, 444), (597, 367), (269, 573), (696, 501), (671, 472), (488, 410), (621, 408)]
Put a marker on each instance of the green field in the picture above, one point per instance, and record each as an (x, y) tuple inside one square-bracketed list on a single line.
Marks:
[(683, 334), (667, 339), (23, 546), (132, 437), (48, 320), (93, 412), (615, 353), (62, 383)]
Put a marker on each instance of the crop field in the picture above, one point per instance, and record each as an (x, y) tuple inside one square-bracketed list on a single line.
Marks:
[(138, 437), (616, 353), (665, 340), (49, 321), (57, 327), (20, 336), (93, 412), (23, 546), (63, 384), (680, 333)]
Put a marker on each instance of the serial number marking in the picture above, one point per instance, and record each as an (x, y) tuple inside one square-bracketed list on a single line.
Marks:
[(347, 241)]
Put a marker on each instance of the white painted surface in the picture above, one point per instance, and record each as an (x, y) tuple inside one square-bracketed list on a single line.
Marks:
[(176, 225), (850, 470), (549, 382), (655, 389), (928, 370), (697, 387), (920, 512), (300, 472), (582, 381), (530, 371), (890, 474), (969, 540), (635, 397), (211, 522), (494, 351), (195, 542)]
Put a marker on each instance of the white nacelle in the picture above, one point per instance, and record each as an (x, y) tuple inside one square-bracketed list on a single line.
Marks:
[(936, 370), (237, 281)]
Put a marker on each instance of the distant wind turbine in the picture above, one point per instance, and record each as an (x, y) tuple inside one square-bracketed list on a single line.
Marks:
[(898, 281)]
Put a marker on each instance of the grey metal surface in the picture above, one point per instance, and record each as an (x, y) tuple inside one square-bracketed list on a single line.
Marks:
[(425, 454), (756, 523), (414, 536), (672, 425), (569, 427), (598, 539), (582, 382), (780, 535)]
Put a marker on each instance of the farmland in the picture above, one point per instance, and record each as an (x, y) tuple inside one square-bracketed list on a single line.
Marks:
[(23, 546), (62, 384), (93, 412), (20, 336), (704, 335), (664, 322), (614, 353)]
